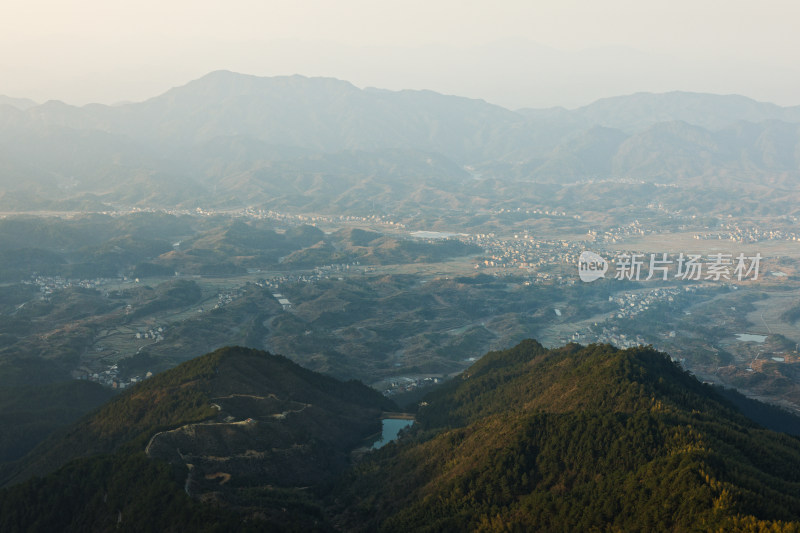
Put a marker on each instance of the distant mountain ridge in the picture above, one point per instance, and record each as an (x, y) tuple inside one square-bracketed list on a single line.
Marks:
[(199, 104), (233, 139), (19, 103), (709, 111)]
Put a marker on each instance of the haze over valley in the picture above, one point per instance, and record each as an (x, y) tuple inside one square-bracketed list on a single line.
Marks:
[(217, 293)]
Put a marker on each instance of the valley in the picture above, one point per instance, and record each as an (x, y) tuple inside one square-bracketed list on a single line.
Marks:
[(380, 300), (413, 267), (400, 251)]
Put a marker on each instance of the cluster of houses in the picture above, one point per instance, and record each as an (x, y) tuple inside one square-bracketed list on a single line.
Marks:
[(619, 233), (262, 214), (748, 234), (266, 214), (630, 305), (536, 211), (155, 334), (318, 274), (110, 377), (324, 272), (406, 384), (225, 298), (524, 251), (633, 303), (49, 284), (610, 335)]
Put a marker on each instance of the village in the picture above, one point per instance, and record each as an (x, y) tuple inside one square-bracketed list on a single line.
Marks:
[(110, 377), (748, 234), (49, 284), (520, 258)]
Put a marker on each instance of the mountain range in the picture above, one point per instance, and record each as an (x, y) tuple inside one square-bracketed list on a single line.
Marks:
[(302, 142), (574, 438)]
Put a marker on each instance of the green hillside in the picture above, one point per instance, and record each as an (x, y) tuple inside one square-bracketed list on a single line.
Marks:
[(528, 439), (250, 431), (579, 439), (28, 414)]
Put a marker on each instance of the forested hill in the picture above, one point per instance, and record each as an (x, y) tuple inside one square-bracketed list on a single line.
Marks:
[(528, 439), (236, 413), (579, 439)]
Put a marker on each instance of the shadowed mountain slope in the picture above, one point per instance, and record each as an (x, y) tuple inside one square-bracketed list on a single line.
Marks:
[(528, 439)]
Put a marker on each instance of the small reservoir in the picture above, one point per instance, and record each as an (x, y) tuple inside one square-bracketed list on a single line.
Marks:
[(391, 427)]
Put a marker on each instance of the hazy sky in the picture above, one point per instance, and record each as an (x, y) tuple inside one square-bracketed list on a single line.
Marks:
[(529, 53)]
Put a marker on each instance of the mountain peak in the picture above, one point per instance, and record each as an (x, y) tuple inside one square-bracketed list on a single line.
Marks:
[(195, 392), (572, 378), (575, 438), (581, 438), (239, 83)]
